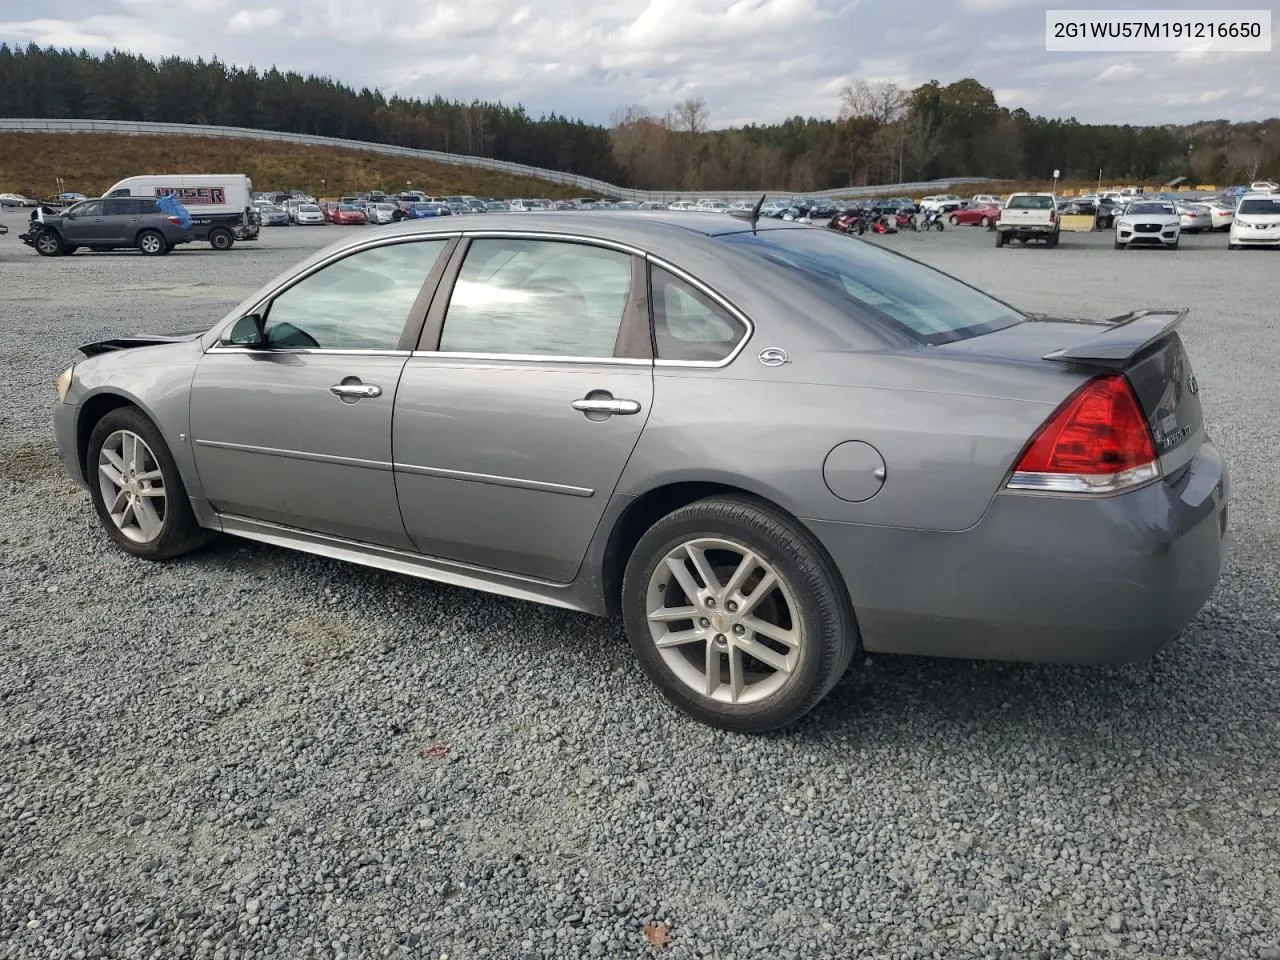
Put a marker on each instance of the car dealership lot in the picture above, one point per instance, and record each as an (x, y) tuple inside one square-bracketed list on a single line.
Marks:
[(268, 751)]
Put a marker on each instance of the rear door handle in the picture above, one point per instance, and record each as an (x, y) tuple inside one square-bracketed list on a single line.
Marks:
[(606, 405), (355, 391)]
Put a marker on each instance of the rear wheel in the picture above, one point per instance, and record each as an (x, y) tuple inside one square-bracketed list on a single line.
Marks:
[(1051, 240), (137, 490), (48, 244), (737, 614), (152, 243), (220, 238), (1000, 238)]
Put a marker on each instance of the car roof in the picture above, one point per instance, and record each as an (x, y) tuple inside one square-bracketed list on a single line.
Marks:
[(1260, 196), (643, 229)]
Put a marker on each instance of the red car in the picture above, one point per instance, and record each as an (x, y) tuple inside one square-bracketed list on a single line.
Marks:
[(348, 214), (982, 215)]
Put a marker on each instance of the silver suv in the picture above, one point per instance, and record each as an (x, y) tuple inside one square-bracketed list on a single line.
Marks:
[(106, 225)]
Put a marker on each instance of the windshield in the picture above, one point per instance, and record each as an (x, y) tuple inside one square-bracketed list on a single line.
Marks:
[(925, 303), (309, 208), (1260, 206), (348, 206), (1149, 209), (1031, 203)]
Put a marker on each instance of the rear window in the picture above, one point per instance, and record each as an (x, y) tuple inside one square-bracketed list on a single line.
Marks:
[(923, 302), (1260, 206), (1031, 203)]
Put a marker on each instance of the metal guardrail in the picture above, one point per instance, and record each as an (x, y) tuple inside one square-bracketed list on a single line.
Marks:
[(584, 184)]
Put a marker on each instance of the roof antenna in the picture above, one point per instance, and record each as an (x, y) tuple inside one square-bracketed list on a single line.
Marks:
[(753, 214)]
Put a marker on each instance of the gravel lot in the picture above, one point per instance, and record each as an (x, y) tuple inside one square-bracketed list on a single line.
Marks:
[(253, 753)]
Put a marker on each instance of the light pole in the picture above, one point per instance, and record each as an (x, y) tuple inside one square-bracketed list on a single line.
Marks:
[(322, 189), (1056, 174)]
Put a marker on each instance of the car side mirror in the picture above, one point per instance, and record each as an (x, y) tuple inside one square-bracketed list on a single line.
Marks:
[(248, 332)]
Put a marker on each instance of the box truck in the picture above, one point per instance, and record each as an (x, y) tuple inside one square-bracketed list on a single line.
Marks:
[(220, 204)]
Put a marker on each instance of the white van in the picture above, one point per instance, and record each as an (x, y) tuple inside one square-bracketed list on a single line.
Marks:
[(221, 204)]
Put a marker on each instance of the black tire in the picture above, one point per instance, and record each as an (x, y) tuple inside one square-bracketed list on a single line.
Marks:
[(179, 532), (152, 243), (821, 607), (1000, 238), (938, 226), (220, 238), (1051, 240), (49, 244), (1119, 245), (169, 248), (955, 222), (985, 221), (1174, 245), (1232, 246)]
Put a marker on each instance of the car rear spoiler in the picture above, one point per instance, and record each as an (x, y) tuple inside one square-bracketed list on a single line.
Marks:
[(128, 343), (1124, 338)]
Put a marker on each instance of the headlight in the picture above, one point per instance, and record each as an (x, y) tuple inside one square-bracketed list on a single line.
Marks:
[(64, 383)]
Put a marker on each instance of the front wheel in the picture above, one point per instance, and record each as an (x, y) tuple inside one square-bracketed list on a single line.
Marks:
[(48, 244), (736, 613), (938, 226), (955, 221), (984, 222), (137, 490), (221, 239)]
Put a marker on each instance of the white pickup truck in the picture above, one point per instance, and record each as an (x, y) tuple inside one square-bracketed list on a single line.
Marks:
[(1029, 216)]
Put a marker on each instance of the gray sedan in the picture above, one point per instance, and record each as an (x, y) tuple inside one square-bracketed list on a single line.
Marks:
[(767, 447)]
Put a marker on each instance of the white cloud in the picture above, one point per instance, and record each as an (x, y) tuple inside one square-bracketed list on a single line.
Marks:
[(753, 60), (246, 20), (1118, 71)]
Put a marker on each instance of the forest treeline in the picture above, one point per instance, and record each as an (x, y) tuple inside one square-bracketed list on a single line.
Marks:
[(882, 134)]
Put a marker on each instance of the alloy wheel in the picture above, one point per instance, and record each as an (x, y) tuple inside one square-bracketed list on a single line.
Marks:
[(48, 244), (132, 486), (724, 620), (151, 243)]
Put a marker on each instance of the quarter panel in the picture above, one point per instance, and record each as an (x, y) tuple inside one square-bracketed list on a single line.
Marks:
[(946, 455)]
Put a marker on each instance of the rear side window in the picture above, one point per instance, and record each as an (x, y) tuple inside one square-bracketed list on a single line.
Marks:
[(1031, 203), (537, 297), (858, 278), (119, 208), (688, 325)]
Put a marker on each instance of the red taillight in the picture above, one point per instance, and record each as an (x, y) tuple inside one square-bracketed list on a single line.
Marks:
[(1053, 216), (1098, 441)]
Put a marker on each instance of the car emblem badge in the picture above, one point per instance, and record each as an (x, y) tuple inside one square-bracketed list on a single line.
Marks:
[(773, 357), (1192, 385)]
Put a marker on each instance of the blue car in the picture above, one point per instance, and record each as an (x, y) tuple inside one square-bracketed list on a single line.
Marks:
[(419, 211)]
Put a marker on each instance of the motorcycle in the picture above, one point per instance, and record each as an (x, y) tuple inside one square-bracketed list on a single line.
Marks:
[(885, 223), (931, 220), (906, 221)]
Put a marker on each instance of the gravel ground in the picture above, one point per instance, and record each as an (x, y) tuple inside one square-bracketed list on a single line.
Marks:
[(253, 753)]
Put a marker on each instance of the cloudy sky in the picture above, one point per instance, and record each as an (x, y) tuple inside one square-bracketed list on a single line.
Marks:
[(752, 60)]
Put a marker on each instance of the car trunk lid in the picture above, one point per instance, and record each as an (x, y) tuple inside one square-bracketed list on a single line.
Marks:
[(1143, 345)]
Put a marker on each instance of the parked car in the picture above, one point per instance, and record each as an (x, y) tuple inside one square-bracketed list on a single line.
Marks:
[(17, 200), (348, 214), (383, 212), (942, 202), (106, 224), (712, 206), (1256, 223), (1193, 217), (1264, 186), (820, 208), (1108, 210), (683, 205), (272, 216), (1076, 513), (1029, 216), (985, 199), (1150, 222), (309, 214), (975, 215), (1221, 214)]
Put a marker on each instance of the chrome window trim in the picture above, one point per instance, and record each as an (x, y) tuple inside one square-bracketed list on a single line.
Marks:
[(357, 247), (274, 351), (710, 294), (530, 358)]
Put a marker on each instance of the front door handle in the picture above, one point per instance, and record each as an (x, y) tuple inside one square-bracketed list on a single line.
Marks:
[(606, 405), (355, 391)]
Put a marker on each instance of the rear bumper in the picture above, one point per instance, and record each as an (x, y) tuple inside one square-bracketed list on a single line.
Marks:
[(1044, 579), (1027, 227)]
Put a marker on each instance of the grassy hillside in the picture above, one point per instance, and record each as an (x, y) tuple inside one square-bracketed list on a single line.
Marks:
[(91, 162)]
